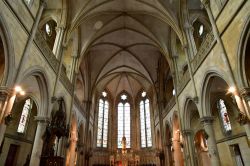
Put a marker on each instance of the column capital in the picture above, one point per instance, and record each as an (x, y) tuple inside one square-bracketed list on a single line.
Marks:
[(207, 119), (43, 3), (245, 92), (42, 119), (5, 92)]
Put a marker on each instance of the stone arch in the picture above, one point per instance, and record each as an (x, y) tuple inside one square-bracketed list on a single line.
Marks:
[(190, 111), (206, 85), (22, 126), (71, 155), (36, 78), (6, 55), (244, 60), (177, 141)]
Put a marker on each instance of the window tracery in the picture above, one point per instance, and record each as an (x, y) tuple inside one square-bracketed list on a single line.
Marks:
[(24, 116), (145, 123), (224, 116), (102, 130), (123, 110)]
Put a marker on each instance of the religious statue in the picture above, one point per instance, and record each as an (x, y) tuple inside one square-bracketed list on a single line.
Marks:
[(124, 144)]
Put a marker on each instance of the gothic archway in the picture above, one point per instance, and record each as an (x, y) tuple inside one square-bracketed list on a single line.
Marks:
[(21, 124)]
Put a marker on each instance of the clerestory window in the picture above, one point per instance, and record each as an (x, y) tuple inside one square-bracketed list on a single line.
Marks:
[(224, 116), (102, 131), (22, 126), (145, 124), (123, 121)]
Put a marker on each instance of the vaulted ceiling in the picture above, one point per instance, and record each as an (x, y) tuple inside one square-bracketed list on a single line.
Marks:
[(123, 40)]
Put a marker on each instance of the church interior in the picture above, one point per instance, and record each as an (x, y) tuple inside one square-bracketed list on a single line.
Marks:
[(125, 83)]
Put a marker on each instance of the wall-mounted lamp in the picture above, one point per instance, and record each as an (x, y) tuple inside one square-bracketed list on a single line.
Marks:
[(231, 89), (19, 90)]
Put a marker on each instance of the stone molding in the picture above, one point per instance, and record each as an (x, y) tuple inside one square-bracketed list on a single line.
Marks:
[(207, 119), (42, 119)]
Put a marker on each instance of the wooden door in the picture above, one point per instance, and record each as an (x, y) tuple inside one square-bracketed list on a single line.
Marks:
[(12, 155)]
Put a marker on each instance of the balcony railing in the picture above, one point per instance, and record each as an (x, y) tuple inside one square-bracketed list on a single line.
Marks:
[(203, 51), (52, 61), (169, 106), (46, 51)]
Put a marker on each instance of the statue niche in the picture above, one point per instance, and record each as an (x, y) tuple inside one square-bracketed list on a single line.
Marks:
[(54, 132)]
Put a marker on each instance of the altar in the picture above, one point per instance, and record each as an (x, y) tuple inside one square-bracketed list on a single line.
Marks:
[(124, 157)]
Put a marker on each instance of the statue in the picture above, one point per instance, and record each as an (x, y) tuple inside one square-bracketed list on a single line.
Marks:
[(124, 144)]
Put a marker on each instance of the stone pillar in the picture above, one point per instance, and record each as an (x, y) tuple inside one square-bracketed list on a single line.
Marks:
[(190, 70), (211, 142), (178, 154), (4, 95), (71, 152), (38, 141), (189, 144), (189, 33), (58, 41), (6, 110)]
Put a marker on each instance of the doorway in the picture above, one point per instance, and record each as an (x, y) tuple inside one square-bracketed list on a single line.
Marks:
[(12, 155)]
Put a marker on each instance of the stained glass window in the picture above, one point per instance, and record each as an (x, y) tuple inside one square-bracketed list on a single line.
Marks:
[(145, 125), (224, 116), (24, 116), (123, 122), (102, 129), (48, 29), (201, 30)]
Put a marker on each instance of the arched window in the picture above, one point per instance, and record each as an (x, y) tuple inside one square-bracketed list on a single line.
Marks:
[(123, 122), (102, 131), (49, 33), (145, 125), (200, 33), (25, 116), (224, 116)]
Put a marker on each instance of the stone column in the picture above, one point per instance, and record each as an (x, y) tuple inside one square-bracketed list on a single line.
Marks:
[(71, 152), (58, 41), (178, 154), (189, 144), (38, 141), (4, 94), (189, 33), (211, 142), (31, 38), (190, 70), (6, 110)]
